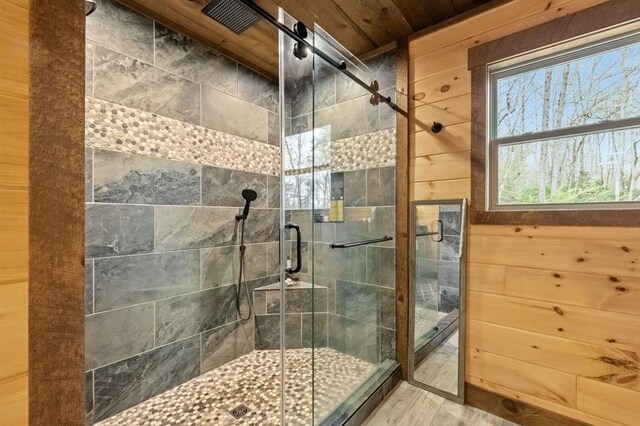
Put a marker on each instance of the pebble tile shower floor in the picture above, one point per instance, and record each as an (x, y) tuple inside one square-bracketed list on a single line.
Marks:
[(254, 380)]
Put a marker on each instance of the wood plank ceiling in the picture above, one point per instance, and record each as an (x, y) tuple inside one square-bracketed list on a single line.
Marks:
[(359, 25)]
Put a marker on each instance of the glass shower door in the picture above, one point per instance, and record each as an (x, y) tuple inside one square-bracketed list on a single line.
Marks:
[(337, 312), (353, 223)]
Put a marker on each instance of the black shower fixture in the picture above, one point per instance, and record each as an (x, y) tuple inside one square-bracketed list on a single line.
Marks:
[(249, 195), (233, 14)]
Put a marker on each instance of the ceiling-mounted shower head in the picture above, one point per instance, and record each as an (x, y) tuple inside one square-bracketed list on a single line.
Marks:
[(89, 7), (233, 14)]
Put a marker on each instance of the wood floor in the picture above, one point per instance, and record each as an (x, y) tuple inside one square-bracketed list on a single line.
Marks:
[(412, 406), (440, 368)]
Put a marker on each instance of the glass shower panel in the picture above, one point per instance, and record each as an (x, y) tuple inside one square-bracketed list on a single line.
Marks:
[(353, 202), (293, 300)]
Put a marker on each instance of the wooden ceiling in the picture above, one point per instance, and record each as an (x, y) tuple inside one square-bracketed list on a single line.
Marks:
[(359, 25)]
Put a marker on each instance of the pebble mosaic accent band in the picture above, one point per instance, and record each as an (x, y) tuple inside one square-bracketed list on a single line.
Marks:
[(376, 149), (119, 128), (254, 380)]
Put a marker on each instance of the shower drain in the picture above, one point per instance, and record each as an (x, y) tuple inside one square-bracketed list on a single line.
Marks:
[(239, 411)]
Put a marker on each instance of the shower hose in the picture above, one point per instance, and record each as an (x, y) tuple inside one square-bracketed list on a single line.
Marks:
[(241, 277)]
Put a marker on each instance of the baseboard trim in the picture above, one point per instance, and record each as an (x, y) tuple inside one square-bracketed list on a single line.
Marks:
[(516, 411)]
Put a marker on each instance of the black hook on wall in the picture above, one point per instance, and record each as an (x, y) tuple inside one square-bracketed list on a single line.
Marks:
[(437, 127)]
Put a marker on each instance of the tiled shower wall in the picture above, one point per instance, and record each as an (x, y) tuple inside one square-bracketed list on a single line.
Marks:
[(175, 131)]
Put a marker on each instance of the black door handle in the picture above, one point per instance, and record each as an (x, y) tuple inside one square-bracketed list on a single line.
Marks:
[(298, 248)]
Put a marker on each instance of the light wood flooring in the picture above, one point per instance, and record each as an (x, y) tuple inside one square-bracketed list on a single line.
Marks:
[(440, 368), (408, 405)]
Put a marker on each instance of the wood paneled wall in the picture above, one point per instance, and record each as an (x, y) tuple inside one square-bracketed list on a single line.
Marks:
[(14, 140), (553, 312)]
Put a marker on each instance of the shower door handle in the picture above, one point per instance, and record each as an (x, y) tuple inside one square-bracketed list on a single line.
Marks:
[(298, 248)]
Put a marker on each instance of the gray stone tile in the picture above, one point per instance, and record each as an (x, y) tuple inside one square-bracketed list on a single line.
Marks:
[(112, 230), (273, 197), (178, 228), (325, 232), (232, 115), (325, 91), (272, 301), (127, 81), (384, 69), (273, 136), (333, 263), (358, 301), (259, 90), (449, 299), (88, 174), (314, 330), (88, 69), (347, 89), (138, 179), (118, 334), (260, 302), (267, 332), (381, 344), (292, 331), (88, 397), (355, 188), (381, 268), (121, 29), (450, 222), (190, 59), (373, 187), (449, 247), (301, 95), (88, 287), (273, 258), (387, 186), (221, 265), (126, 383), (223, 187), (128, 280), (348, 336), (263, 225), (387, 116), (300, 125), (448, 273), (350, 118), (387, 308), (182, 316), (363, 223), (225, 344)]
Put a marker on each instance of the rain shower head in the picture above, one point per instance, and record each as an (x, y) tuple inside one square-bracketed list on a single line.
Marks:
[(233, 14)]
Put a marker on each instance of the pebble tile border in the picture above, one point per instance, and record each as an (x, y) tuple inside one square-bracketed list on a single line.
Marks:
[(119, 128)]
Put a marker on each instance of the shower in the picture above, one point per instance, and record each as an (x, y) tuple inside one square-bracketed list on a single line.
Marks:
[(249, 195)]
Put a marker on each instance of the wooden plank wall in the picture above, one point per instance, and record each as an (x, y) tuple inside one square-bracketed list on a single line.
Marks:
[(553, 312), (14, 139)]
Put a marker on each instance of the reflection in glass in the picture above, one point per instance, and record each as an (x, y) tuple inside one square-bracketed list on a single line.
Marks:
[(437, 289)]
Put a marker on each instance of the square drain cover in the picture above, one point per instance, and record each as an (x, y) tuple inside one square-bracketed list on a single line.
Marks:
[(239, 411)]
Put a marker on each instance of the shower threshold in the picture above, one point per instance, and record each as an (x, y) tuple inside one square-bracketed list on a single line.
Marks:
[(253, 380)]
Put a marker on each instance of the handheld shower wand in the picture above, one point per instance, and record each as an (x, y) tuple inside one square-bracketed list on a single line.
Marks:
[(249, 195)]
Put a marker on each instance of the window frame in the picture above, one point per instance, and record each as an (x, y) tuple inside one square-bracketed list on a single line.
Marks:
[(609, 19), (533, 62)]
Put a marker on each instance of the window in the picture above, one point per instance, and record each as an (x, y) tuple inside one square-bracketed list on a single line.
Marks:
[(564, 130)]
